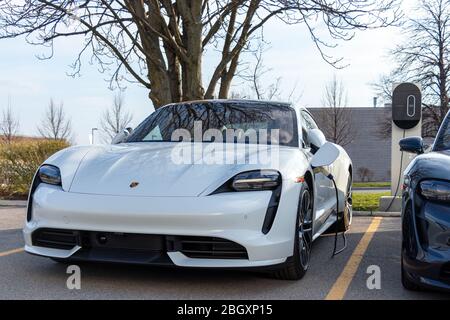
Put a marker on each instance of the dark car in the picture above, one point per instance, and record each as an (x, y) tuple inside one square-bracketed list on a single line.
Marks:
[(426, 213)]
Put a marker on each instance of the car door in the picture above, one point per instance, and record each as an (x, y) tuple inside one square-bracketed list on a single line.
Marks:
[(324, 196)]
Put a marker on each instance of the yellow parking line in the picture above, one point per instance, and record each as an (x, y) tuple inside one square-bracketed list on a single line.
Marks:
[(7, 253), (341, 285)]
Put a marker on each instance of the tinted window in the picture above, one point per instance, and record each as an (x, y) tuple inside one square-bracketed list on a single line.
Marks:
[(160, 125), (443, 139)]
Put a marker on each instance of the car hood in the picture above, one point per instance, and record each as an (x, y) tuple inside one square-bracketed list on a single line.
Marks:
[(148, 169)]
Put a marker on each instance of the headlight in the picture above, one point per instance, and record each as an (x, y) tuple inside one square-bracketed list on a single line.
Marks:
[(435, 190), (256, 180), (50, 174)]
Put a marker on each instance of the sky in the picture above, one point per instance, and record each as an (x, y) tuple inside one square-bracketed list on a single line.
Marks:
[(29, 83)]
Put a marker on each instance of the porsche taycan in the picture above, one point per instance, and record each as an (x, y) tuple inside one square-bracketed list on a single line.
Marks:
[(215, 184)]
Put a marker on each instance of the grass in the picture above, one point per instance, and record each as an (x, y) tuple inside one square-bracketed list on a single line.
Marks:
[(367, 201), (371, 185)]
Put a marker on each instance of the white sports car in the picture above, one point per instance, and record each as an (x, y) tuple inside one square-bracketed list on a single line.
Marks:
[(172, 192)]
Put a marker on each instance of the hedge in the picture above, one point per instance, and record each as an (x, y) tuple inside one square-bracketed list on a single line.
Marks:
[(19, 161)]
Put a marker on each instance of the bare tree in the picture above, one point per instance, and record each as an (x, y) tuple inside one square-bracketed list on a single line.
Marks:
[(116, 118), (9, 124), (160, 43), (254, 73), (424, 58), (382, 87), (365, 174), (336, 117), (383, 90), (54, 124)]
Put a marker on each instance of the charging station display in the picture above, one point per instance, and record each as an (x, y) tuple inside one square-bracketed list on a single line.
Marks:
[(406, 106)]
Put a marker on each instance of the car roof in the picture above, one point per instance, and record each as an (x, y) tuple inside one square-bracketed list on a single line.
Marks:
[(242, 102)]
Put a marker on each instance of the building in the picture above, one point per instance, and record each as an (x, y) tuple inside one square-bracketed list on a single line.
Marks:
[(370, 149)]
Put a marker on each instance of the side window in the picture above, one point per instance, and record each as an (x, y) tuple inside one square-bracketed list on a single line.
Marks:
[(308, 123), (154, 135)]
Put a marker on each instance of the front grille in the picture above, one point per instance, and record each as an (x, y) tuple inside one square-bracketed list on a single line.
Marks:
[(56, 238), (191, 246), (211, 248)]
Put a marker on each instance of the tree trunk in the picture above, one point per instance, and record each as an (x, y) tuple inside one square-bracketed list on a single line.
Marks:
[(227, 78), (442, 82), (192, 81), (160, 93), (174, 75), (191, 12)]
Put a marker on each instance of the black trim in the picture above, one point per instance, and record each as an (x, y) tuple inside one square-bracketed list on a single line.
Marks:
[(228, 185), (206, 247), (36, 182), (34, 185), (272, 209), (123, 256), (111, 245), (55, 238)]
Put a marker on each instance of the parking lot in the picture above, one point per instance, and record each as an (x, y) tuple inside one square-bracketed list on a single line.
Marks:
[(371, 242)]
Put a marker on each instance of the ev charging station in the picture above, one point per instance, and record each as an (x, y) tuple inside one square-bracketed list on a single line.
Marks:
[(406, 122)]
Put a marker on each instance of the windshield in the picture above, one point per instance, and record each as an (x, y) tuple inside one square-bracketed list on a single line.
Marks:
[(232, 122), (443, 139)]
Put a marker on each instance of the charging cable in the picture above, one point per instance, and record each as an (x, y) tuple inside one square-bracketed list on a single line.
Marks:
[(400, 174), (336, 234)]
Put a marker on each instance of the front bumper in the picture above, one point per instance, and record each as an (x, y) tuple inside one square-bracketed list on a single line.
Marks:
[(237, 217), (426, 256)]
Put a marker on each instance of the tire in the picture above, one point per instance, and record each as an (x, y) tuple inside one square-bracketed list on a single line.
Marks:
[(407, 283), (297, 265)]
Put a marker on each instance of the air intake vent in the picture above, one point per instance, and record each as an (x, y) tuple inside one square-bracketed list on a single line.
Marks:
[(211, 248), (55, 238)]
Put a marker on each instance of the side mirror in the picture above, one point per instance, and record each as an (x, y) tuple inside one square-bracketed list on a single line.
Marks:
[(412, 145), (317, 139), (122, 136), (325, 156)]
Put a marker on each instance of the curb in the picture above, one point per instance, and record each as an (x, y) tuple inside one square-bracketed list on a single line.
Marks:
[(377, 214), (371, 189), (13, 203)]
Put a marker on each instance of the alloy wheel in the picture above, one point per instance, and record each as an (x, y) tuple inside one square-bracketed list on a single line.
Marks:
[(348, 209), (305, 228)]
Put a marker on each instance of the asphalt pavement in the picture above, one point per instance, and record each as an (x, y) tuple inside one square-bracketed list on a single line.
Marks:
[(373, 249)]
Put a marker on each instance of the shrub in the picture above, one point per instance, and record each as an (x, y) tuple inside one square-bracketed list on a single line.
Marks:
[(19, 161), (365, 174)]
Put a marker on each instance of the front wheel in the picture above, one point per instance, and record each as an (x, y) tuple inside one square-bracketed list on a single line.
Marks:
[(297, 265), (407, 283), (407, 240)]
